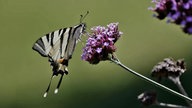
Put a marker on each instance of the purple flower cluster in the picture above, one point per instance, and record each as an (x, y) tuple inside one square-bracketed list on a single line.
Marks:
[(101, 43), (177, 11), (169, 68)]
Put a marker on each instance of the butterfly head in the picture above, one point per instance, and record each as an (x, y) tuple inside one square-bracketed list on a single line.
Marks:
[(83, 27)]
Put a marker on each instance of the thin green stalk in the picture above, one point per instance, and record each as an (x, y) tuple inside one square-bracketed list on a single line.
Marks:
[(182, 90), (170, 105), (116, 61)]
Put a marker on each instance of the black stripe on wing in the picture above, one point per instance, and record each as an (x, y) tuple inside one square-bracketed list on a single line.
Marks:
[(47, 37), (61, 39), (69, 36), (52, 37)]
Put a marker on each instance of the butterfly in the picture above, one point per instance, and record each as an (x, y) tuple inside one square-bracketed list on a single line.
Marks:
[(59, 46)]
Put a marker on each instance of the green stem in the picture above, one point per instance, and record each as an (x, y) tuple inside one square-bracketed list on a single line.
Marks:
[(116, 61), (182, 90), (171, 105)]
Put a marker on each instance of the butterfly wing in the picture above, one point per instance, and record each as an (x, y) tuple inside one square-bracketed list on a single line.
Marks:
[(60, 43), (72, 39), (49, 45), (54, 52)]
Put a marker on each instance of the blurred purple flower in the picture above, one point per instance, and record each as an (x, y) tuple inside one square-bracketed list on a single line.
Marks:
[(101, 43), (176, 11), (169, 68), (148, 98)]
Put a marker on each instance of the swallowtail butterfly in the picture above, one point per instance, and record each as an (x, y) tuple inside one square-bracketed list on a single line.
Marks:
[(59, 46)]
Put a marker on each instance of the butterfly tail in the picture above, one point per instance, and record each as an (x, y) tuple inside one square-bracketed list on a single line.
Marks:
[(62, 70), (46, 92)]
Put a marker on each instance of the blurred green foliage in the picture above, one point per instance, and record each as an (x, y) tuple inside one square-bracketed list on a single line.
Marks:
[(24, 74)]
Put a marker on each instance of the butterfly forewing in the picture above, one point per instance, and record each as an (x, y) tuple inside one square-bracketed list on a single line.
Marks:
[(70, 45)]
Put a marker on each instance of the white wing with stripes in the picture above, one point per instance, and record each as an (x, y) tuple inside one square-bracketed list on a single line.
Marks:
[(60, 43)]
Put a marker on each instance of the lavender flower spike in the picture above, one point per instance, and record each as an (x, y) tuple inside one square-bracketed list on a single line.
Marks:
[(101, 43)]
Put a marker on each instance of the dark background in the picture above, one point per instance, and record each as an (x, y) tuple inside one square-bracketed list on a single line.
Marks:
[(24, 74)]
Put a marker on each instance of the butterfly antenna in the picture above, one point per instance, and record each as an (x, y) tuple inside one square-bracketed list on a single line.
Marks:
[(83, 17), (45, 94), (60, 80)]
